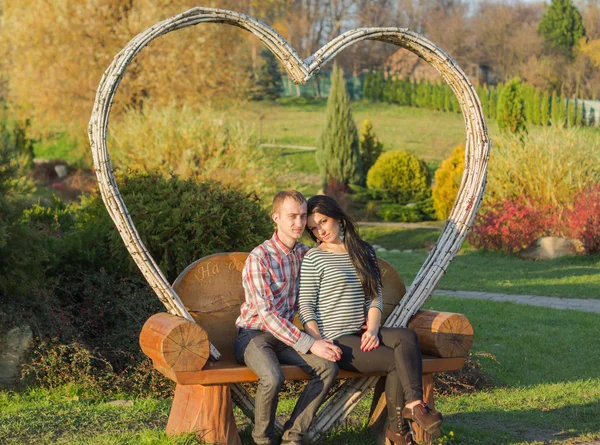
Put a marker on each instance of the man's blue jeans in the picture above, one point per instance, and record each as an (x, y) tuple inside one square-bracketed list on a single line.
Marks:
[(263, 354)]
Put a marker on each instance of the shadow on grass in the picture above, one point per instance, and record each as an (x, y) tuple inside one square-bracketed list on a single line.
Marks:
[(507, 427)]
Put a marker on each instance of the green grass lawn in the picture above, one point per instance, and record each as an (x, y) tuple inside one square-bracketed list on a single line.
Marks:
[(401, 239), (480, 271), (545, 374), (567, 277), (429, 134)]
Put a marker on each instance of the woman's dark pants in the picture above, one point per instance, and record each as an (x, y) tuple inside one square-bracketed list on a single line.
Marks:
[(399, 356)]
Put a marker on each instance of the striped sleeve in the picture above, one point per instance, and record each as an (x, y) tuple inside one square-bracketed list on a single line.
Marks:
[(378, 301), (309, 289)]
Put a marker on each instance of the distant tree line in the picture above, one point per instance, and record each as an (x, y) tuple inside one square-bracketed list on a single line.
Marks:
[(540, 108)]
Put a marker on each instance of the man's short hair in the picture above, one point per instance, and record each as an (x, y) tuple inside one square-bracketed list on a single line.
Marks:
[(283, 195)]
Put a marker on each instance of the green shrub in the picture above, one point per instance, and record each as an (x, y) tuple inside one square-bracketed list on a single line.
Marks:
[(447, 182), (178, 220), (94, 303), (22, 261), (402, 174), (399, 213), (51, 364), (425, 206)]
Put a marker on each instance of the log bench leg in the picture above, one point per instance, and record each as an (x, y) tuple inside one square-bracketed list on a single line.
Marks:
[(206, 411), (422, 436), (378, 415)]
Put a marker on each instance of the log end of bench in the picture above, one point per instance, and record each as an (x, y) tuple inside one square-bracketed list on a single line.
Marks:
[(174, 344), (443, 334)]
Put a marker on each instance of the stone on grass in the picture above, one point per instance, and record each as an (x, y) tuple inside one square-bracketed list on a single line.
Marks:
[(15, 343), (551, 247), (125, 403), (61, 170)]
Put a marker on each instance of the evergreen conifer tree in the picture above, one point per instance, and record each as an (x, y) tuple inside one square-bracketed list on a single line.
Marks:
[(485, 100), (545, 109), (562, 111), (571, 112), (561, 26), (537, 104), (511, 108), (269, 81), (337, 154), (448, 98), (368, 87), (370, 149)]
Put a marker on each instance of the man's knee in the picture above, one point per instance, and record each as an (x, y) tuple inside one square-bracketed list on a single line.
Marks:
[(272, 380), (326, 370)]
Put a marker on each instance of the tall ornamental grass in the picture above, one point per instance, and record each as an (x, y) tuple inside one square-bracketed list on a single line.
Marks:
[(193, 144), (550, 166)]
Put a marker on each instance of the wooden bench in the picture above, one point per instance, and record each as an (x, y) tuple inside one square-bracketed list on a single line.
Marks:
[(211, 289)]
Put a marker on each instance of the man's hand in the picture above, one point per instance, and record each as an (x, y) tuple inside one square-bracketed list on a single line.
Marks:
[(327, 350)]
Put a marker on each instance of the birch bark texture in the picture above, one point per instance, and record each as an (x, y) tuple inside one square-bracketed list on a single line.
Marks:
[(477, 151)]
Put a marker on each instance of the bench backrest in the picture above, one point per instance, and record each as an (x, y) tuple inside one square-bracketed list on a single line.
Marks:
[(211, 290)]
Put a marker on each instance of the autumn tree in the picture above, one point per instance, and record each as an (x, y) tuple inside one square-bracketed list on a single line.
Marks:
[(58, 50)]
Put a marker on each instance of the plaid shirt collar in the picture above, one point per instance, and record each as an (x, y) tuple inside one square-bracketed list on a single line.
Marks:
[(279, 244)]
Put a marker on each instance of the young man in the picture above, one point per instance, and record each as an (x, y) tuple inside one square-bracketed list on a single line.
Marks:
[(267, 336)]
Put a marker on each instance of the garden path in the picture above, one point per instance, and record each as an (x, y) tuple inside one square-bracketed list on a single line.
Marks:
[(585, 305)]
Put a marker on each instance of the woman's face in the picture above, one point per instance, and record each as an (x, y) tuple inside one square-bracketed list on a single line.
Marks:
[(324, 228)]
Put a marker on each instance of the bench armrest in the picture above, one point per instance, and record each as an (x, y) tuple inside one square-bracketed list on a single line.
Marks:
[(174, 344), (442, 334)]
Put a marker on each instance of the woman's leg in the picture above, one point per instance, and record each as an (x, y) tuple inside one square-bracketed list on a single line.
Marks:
[(408, 360), (379, 360), (409, 368)]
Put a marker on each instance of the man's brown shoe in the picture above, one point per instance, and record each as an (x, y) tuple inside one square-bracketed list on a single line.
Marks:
[(400, 439), (427, 419)]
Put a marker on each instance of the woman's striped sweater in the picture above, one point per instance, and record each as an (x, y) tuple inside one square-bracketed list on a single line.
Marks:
[(331, 294)]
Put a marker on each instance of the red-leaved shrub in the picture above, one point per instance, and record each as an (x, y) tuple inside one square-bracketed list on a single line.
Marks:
[(583, 219), (512, 225)]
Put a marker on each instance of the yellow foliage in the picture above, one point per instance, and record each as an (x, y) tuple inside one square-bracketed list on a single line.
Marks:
[(193, 144), (591, 49), (56, 51), (447, 182), (549, 167)]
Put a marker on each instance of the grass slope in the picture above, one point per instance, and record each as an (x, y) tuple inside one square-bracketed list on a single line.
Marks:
[(545, 371)]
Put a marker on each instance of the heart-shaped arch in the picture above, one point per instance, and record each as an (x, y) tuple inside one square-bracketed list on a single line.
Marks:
[(477, 149)]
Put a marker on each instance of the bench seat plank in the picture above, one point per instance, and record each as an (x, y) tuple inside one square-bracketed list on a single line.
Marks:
[(227, 371)]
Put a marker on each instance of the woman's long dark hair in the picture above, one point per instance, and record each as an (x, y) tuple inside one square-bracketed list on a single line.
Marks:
[(361, 253)]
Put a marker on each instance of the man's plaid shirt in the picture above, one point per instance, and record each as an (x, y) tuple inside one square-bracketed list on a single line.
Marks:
[(271, 279)]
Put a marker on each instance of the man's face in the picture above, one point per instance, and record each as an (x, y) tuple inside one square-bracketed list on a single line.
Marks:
[(290, 219)]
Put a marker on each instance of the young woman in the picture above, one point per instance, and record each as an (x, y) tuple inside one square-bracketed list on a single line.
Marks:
[(340, 300)]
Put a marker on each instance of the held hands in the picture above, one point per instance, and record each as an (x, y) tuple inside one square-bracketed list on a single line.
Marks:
[(369, 339), (327, 350)]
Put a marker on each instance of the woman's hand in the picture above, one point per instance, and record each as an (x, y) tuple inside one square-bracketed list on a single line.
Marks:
[(369, 340)]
